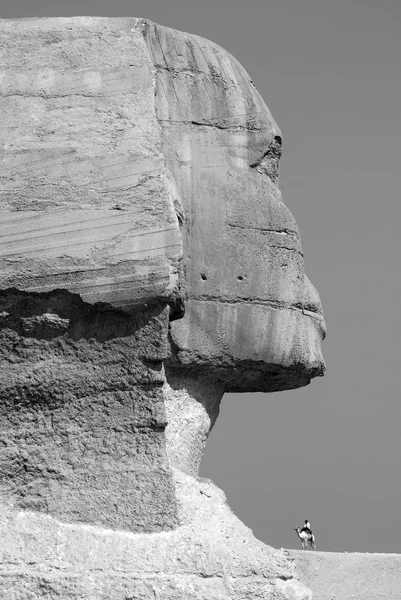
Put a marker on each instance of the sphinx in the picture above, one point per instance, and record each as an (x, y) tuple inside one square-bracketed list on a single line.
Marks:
[(148, 265)]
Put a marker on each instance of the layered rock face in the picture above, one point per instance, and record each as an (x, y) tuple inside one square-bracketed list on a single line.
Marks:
[(147, 266), (249, 305)]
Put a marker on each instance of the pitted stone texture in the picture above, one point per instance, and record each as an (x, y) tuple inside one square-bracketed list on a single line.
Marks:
[(293, 590), (82, 414)]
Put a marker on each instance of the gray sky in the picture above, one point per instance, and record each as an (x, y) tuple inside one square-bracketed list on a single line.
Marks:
[(330, 74)]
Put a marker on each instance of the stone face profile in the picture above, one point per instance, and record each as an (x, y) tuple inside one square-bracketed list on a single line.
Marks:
[(148, 264)]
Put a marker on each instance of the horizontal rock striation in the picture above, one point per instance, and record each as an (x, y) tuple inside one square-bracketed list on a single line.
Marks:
[(249, 304), (82, 415), (147, 266), (85, 202)]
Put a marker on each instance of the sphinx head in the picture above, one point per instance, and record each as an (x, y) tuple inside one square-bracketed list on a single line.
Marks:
[(253, 321), (147, 266), (143, 172)]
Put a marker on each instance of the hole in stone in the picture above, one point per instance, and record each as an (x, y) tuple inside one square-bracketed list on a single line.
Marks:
[(203, 276), (240, 278)]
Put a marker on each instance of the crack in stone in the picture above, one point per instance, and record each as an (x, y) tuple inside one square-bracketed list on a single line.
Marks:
[(289, 232), (214, 125), (306, 309)]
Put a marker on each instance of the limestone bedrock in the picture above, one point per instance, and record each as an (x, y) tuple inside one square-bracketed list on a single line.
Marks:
[(148, 264)]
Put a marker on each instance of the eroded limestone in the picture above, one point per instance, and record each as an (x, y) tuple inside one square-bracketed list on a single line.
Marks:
[(147, 266)]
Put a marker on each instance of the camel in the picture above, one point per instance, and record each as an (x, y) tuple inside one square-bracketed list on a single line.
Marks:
[(306, 538)]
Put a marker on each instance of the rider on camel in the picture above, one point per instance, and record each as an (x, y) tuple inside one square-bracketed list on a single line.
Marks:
[(307, 528)]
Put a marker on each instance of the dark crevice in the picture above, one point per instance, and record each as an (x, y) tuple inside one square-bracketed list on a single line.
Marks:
[(216, 125), (176, 302), (290, 232), (219, 125), (307, 306)]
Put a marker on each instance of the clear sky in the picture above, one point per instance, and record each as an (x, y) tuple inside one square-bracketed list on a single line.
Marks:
[(330, 72)]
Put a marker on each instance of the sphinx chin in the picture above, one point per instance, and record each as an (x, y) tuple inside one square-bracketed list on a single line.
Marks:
[(248, 347)]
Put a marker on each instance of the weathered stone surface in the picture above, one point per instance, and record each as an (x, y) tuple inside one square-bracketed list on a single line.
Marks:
[(147, 266), (345, 575), (82, 414), (211, 556), (85, 202), (243, 270)]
